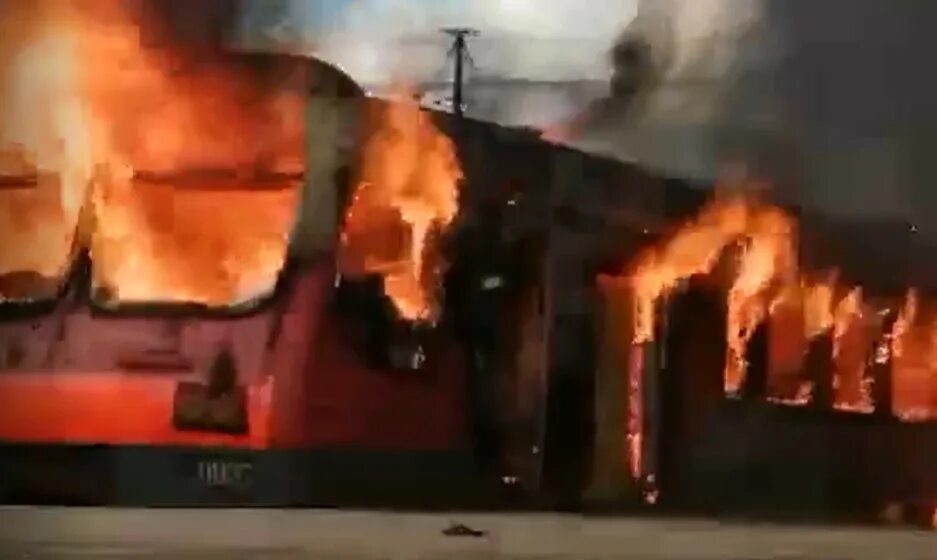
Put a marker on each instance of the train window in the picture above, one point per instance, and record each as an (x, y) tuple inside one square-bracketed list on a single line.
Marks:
[(205, 168), (209, 239), (38, 237)]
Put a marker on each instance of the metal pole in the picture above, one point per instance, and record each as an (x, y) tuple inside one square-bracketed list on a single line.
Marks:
[(459, 50), (457, 82)]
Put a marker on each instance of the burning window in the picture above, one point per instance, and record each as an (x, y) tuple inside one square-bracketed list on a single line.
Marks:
[(183, 168), (815, 322), (407, 196), (38, 236), (45, 163), (215, 242)]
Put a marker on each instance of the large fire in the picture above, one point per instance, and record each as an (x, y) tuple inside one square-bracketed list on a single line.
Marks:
[(45, 157), (185, 171), (406, 198), (763, 235), (763, 285), (767, 285)]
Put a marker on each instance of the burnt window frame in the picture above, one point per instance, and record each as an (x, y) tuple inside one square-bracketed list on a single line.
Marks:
[(88, 295), (266, 302), (18, 309), (76, 286)]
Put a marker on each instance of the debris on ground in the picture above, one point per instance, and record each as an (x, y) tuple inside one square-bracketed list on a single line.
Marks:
[(460, 530)]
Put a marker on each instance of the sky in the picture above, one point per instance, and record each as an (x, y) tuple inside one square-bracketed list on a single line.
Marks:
[(375, 41)]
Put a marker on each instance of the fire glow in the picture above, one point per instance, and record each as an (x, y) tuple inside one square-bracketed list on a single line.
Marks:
[(765, 285), (95, 115), (405, 199), (44, 143)]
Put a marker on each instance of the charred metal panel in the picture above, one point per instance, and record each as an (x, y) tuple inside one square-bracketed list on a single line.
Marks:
[(773, 459), (523, 409), (819, 364), (611, 476), (692, 383), (755, 382), (873, 254)]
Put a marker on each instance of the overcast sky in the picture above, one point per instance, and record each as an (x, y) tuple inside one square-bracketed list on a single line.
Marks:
[(376, 40)]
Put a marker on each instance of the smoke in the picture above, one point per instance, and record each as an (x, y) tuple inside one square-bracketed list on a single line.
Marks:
[(831, 101), (683, 72)]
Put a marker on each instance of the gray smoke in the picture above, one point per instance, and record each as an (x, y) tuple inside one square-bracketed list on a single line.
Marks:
[(678, 74), (833, 100)]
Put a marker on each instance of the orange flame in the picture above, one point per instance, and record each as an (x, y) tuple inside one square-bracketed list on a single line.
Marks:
[(851, 346), (818, 307), (767, 284), (914, 369), (406, 197), (635, 429), (767, 254), (123, 114), (160, 111), (44, 142), (694, 249), (768, 257), (151, 242)]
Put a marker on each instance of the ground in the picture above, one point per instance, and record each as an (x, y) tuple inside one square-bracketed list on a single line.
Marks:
[(41, 533)]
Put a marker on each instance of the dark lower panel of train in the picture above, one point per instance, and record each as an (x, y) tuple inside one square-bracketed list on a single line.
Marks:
[(752, 454), (149, 476), (751, 460)]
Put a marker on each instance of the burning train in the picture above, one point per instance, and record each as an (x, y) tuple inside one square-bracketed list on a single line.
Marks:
[(735, 328), (201, 268), (219, 263)]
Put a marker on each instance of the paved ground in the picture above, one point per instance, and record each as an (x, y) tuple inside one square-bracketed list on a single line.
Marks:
[(37, 533)]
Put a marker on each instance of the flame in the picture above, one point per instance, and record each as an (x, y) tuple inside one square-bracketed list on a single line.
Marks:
[(635, 428), (766, 284), (160, 111), (901, 330), (768, 256), (767, 253), (818, 307), (851, 346), (914, 362), (694, 249), (44, 141), (406, 198), (787, 347), (151, 241), (90, 105)]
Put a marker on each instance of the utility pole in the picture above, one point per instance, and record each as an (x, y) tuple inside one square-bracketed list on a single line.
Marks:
[(460, 51)]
